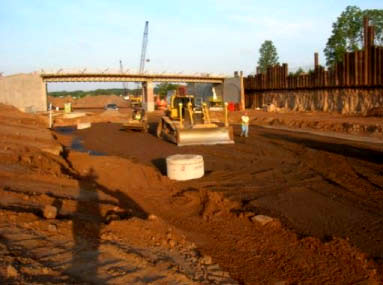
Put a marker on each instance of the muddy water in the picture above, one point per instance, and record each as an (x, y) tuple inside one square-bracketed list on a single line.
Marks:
[(77, 143), (317, 186)]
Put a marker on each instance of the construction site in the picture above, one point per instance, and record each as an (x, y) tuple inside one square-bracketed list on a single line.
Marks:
[(118, 189)]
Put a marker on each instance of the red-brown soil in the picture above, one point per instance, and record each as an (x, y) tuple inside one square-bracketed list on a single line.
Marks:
[(89, 101), (315, 121), (121, 220)]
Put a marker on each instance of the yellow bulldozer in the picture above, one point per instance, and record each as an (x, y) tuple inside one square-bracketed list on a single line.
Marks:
[(138, 121), (187, 124)]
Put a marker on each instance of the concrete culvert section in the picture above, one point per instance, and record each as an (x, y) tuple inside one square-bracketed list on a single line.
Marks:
[(185, 166)]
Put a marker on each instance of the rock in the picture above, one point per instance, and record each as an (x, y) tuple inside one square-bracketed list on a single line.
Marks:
[(172, 243), (206, 260), (280, 283), (11, 272), (271, 108), (50, 212), (195, 253), (215, 278), (152, 217), (52, 228), (261, 219), (108, 236), (213, 267)]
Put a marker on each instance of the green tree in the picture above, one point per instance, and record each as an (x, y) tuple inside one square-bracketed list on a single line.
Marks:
[(163, 88), (298, 72), (347, 32), (268, 56)]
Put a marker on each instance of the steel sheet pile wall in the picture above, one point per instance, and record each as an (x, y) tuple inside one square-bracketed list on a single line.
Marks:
[(362, 68)]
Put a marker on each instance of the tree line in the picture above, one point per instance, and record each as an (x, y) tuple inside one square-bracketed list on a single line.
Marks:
[(346, 36), (160, 89), (97, 92)]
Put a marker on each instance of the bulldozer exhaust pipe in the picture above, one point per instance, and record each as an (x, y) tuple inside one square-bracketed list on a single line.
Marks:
[(180, 115), (226, 115)]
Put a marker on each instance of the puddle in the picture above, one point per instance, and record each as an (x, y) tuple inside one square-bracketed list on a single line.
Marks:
[(68, 130), (77, 144)]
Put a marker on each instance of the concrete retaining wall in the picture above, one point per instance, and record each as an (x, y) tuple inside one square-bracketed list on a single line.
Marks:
[(230, 90), (200, 90), (26, 92), (345, 101)]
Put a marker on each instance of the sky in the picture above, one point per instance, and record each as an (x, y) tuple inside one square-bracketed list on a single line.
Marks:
[(214, 36)]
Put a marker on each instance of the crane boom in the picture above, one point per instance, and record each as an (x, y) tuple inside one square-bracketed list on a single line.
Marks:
[(143, 49)]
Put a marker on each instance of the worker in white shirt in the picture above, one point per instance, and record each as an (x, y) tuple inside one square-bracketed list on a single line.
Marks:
[(245, 125)]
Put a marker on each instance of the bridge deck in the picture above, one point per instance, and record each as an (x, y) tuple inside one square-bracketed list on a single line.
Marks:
[(123, 77)]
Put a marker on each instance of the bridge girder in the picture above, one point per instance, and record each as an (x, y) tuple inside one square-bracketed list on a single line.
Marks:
[(82, 77)]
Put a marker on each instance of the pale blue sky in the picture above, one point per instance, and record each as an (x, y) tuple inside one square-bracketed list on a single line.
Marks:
[(217, 36)]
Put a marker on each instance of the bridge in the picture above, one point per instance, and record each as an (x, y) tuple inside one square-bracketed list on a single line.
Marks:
[(126, 77), (147, 80), (29, 91)]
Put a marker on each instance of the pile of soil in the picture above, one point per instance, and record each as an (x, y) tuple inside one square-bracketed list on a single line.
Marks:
[(78, 117), (64, 220), (89, 102)]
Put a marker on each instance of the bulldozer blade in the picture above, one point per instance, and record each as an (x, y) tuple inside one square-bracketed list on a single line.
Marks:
[(139, 126), (205, 136)]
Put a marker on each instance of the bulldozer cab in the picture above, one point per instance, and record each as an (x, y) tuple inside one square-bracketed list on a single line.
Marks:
[(175, 100), (183, 99), (138, 114)]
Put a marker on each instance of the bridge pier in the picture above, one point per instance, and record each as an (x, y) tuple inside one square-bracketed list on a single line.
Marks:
[(148, 100)]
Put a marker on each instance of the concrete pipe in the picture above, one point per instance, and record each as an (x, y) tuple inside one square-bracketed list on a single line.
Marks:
[(185, 166), (81, 126)]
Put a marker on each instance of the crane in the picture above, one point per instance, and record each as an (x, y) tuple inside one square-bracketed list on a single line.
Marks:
[(143, 49)]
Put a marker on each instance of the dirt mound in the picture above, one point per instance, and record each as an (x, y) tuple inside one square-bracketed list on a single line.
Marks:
[(130, 174), (77, 117), (71, 221), (89, 101), (20, 132)]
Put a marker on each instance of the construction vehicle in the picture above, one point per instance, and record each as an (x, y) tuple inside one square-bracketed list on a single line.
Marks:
[(183, 124), (135, 101), (215, 102), (138, 122)]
